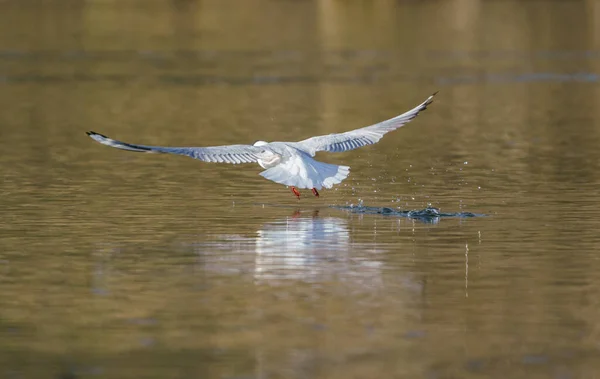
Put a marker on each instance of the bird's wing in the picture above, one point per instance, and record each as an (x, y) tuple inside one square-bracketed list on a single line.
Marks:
[(361, 137), (222, 154)]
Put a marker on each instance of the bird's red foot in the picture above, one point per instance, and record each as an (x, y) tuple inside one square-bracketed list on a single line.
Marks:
[(315, 192), (295, 191)]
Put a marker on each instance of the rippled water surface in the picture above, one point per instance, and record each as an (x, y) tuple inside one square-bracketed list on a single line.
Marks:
[(123, 265)]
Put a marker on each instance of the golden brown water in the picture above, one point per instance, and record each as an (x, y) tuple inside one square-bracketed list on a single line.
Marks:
[(122, 265)]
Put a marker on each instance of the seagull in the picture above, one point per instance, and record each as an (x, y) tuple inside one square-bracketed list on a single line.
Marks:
[(287, 163)]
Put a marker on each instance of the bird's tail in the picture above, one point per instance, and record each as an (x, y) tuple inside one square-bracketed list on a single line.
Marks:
[(304, 172)]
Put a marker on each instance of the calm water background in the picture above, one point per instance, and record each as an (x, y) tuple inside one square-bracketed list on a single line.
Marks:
[(122, 265)]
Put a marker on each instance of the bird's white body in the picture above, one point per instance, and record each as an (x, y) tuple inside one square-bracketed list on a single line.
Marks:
[(288, 163)]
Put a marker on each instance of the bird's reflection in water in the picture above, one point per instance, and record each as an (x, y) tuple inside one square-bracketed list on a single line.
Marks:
[(300, 246), (303, 246)]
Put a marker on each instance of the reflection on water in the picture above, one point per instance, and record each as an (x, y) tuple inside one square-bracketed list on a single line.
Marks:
[(300, 248), (127, 266), (304, 247)]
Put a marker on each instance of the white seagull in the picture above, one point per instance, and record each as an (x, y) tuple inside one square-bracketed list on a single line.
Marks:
[(288, 163)]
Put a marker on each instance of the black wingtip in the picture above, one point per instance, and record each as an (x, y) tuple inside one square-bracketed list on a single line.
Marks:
[(428, 101), (92, 133)]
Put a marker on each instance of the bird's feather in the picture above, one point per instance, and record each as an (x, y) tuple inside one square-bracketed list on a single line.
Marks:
[(288, 163), (222, 154), (302, 171), (360, 137)]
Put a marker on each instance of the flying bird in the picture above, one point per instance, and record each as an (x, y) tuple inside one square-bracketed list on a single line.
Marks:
[(288, 163)]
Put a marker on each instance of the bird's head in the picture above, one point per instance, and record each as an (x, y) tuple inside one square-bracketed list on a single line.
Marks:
[(259, 143)]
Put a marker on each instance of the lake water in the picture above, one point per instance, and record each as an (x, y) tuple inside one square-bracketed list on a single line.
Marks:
[(123, 265)]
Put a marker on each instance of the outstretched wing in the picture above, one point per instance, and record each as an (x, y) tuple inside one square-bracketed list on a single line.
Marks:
[(361, 137), (222, 154)]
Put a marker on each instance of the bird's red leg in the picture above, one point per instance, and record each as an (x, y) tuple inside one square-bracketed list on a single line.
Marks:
[(315, 192), (295, 191)]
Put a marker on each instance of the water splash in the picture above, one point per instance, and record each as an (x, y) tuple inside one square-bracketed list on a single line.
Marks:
[(429, 214)]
